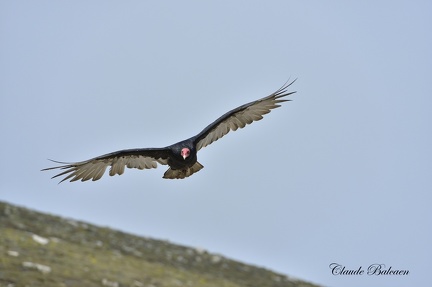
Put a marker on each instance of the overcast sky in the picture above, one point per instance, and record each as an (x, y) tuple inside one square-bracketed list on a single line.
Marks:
[(343, 173)]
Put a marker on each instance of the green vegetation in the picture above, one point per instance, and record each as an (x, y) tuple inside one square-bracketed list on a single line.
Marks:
[(44, 250)]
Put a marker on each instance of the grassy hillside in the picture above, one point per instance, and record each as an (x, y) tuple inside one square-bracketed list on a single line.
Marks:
[(37, 249)]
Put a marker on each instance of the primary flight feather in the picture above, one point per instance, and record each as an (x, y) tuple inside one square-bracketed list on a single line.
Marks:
[(182, 156)]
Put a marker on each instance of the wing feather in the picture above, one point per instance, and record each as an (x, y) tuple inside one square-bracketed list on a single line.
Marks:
[(241, 116), (95, 168)]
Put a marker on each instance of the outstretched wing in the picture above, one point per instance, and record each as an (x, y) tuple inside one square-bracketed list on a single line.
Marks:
[(241, 116), (95, 168)]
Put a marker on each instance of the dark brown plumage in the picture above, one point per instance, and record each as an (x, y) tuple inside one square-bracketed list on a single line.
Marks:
[(182, 156)]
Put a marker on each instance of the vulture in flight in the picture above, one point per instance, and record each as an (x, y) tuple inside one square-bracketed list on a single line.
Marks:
[(181, 157)]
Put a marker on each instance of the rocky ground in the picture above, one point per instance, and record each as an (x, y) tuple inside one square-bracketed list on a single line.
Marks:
[(43, 250)]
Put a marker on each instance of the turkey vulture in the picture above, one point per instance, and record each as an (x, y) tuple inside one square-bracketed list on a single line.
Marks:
[(182, 156)]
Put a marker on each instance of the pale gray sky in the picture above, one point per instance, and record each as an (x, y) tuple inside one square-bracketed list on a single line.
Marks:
[(340, 174)]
